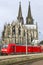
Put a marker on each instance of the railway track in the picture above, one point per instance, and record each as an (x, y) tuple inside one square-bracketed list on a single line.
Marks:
[(15, 56), (12, 57)]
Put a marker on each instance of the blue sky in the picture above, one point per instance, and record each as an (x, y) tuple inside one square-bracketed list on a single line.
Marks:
[(9, 12)]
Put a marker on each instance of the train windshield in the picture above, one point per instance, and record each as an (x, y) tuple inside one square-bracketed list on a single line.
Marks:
[(5, 46)]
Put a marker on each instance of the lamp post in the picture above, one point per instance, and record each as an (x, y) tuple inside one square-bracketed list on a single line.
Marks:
[(26, 44)]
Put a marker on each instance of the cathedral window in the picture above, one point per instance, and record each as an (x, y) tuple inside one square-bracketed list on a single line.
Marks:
[(3, 34), (8, 31), (13, 30), (31, 38), (24, 32), (19, 30), (27, 32)]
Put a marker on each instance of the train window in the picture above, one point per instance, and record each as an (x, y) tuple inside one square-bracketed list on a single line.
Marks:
[(4, 46), (13, 46)]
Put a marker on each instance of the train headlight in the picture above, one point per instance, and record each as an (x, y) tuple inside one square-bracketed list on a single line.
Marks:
[(5, 50)]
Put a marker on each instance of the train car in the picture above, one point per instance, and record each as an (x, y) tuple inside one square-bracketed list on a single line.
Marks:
[(20, 49)]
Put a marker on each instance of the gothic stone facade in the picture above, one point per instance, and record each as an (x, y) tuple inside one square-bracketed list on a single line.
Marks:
[(18, 32)]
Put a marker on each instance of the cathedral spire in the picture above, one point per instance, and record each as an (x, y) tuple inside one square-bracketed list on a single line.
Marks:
[(20, 18), (29, 19), (29, 11)]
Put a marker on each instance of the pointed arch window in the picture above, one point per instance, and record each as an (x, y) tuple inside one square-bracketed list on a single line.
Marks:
[(19, 30), (13, 30), (8, 31), (31, 38), (24, 32), (3, 34)]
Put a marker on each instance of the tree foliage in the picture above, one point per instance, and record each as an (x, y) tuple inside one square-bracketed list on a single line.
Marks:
[(41, 42)]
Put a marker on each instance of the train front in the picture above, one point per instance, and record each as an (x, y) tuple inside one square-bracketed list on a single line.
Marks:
[(4, 49)]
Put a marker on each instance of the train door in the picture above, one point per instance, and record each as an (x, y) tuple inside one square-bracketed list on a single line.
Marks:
[(12, 49)]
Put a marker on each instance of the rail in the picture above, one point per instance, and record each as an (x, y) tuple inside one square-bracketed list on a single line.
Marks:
[(15, 56)]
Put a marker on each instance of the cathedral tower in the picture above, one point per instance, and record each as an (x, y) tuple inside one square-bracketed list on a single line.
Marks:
[(20, 17), (29, 19)]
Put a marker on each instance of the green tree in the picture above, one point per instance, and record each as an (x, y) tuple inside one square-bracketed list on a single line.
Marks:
[(41, 42)]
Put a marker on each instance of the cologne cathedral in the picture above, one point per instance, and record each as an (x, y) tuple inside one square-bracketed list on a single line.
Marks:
[(18, 32)]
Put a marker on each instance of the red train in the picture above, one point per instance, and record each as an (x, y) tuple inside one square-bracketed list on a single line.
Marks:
[(13, 48)]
